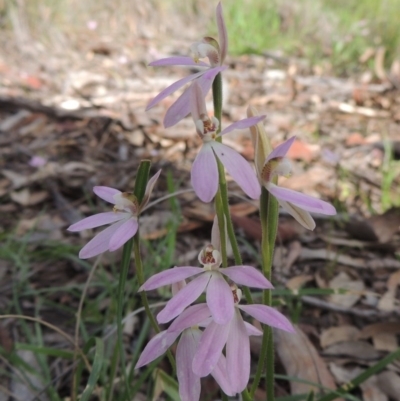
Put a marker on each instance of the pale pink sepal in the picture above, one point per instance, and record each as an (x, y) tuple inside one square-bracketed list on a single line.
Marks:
[(302, 216), (210, 348), (189, 383), (252, 331), (222, 33), (149, 189), (220, 299), (123, 234), (197, 102), (268, 315), (183, 298), (281, 150), (181, 108), (242, 124), (204, 174), (156, 347), (170, 276), (238, 354), (248, 276), (176, 287), (220, 375), (100, 243), (98, 220), (303, 201), (178, 60), (172, 88), (239, 169), (194, 315), (106, 193)]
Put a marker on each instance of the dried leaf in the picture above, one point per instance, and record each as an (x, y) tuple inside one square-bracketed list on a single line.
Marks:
[(371, 391), (389, 383), (300, 359), (339, 334), (353, 287), (354, 349), (25, 198), (386, 225), (297, 282)]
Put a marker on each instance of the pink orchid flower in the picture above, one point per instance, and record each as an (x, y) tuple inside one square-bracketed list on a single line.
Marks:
[(233, 334), (210, 278), (189, 383), (297, 204), (124, 218), (204, 175), (209, 48), (272, 163)]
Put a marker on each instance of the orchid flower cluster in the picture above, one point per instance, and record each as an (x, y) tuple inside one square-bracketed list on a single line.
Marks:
[(213, 336)]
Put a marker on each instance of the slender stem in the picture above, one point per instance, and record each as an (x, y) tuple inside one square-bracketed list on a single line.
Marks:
[(223, 188), (221, 225), (217, 99), (145, 301), (126, 257), (246, 396), (269, 212), (78, 322)]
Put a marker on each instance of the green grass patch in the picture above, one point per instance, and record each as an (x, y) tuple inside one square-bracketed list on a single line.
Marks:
[(331, 31)]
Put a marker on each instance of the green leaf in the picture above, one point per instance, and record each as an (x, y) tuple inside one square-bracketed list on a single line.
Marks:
[(142, 177), (97, 366), (59, 353), (168, 384)]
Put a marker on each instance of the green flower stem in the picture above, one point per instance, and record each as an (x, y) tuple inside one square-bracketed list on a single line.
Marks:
[(217, 99), (246, 396), (269, 213), (126, 257), (145, 301), (221, 224), (223, 189)]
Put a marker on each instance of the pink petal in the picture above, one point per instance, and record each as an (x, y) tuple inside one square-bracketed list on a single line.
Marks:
[(183, 298), (193, 315), (170, 276), (149, 189), (268, 315), (100, 243), (302, 216), (98, 220), (176, 287), (156, 347), (242, 124), (238, 354), (172, 88), (189, 383), (204, 175), (222, 34), (181, 108), (106, 193), (197, 102), (123, 233), (281, 150), (248, 276), (178, 60), (252, 331), (305, 202), (210, 348), (238, 168), (220, 375), (220, 299)]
